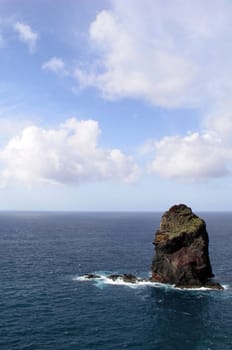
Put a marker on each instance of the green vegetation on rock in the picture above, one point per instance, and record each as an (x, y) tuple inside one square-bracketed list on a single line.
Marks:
[(180, 219)]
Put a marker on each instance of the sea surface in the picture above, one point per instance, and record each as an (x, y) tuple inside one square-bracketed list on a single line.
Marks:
[(44, 304)]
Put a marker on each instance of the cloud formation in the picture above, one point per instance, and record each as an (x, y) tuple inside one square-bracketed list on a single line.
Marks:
[(55, 65), (196, 156), (174, 54), (193, 157), (27, 35), (129, 70), (68, 154), (162, 52)]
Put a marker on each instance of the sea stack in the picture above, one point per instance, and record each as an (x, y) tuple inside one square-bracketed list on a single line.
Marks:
[(181, 247)]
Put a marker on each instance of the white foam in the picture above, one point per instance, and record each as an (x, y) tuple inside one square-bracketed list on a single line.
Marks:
[(119, 282), (80, 278), (193, 289), (226, 286), (104, 280)]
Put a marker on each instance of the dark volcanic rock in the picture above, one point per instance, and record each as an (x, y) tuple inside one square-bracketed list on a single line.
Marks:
[(126, 277), (114, 277), (181, 246), (91, 276)]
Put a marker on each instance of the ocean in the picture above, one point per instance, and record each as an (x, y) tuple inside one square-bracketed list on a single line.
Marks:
[(44, 304)]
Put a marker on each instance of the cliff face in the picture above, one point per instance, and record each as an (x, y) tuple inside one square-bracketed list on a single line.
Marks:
[(181, 246)]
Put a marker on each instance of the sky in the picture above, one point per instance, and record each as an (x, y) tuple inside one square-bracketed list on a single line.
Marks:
[(113, 105)]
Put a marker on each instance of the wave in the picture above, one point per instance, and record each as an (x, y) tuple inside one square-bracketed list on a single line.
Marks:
[(199, 288)]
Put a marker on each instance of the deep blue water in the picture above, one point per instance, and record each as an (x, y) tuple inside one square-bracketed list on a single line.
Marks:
[(44, 306)]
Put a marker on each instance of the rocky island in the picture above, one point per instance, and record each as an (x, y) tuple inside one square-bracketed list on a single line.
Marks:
[(181, 250), (181, 253)]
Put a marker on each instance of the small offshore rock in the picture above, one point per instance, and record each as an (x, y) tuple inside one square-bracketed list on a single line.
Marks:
[(128, 278), (114, 277)]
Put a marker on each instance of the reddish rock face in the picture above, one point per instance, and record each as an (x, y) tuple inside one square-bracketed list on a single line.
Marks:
[(181, 246)]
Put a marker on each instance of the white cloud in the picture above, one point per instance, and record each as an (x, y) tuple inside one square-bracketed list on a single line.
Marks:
[(27, 35), (197, 156), (193, 157), (68, 154), (55, 65), (220, 122), (9, 126), (172, 53), (128, 70)]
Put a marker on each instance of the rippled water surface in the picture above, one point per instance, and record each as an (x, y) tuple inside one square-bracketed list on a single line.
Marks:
[(43, 304)]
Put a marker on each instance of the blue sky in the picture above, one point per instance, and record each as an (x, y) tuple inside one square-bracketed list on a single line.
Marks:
[(115, 105)]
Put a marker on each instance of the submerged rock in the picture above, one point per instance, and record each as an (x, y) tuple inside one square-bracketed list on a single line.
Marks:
[(91, 276), (181, 246)]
